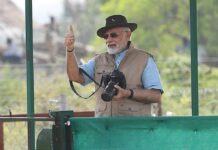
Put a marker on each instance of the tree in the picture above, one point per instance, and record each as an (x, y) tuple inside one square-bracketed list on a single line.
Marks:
[(164, 24)]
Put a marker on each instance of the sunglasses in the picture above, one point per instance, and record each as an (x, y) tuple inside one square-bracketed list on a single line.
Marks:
[(112, 35)]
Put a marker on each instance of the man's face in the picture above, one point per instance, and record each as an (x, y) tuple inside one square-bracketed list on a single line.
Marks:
[(116, 39)]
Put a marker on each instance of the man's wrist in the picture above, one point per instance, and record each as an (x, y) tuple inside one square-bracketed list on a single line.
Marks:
[(70, 50), (131, 94)]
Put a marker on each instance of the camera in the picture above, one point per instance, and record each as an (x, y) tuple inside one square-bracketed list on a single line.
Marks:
[(114, 78)]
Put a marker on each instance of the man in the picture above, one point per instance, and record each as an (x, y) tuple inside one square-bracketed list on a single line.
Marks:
[(51, 38), (12, 54), (143, 87)]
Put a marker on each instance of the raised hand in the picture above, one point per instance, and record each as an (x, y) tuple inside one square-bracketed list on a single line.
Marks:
[(69, 39)]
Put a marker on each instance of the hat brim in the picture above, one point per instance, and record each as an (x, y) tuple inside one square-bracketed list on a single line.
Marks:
[(102, 30)]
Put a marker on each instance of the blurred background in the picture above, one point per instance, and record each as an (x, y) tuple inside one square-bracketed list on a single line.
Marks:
[(163, 30)]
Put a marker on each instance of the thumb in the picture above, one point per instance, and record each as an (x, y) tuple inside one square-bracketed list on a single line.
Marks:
[(71, 29), (117, 86)]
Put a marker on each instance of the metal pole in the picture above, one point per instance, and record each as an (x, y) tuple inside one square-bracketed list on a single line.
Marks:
[(194, 57), (23, 119), (61, 130), (30, 77), (1, 135)]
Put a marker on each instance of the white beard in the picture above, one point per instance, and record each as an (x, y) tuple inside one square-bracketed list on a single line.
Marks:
[(113, 50)]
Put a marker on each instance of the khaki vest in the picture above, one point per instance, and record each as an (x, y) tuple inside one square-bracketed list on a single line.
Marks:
[(132, 66)]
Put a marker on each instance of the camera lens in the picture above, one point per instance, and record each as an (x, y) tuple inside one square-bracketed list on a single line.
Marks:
[(109, 92), (106, 97)]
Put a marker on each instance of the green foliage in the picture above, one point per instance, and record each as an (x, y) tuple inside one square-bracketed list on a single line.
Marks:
[(208, 90), (48, 92), (52, 90), (176, 74), (15, 135), (163, 24), (12, 90), (207, 25)]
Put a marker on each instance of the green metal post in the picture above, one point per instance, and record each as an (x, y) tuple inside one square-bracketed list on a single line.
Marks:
[(61, 130), (194, 57), (30, 77)]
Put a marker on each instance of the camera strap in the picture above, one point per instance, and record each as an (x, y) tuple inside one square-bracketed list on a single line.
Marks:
[(74, 90)]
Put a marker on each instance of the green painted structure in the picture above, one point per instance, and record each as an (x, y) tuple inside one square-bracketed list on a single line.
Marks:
[(130, 133), (145, 133)]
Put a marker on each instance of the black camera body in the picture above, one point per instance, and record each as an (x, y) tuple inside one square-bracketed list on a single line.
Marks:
[(114, 78)]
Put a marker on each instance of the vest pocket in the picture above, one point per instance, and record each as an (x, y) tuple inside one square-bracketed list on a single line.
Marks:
[(132, 108)]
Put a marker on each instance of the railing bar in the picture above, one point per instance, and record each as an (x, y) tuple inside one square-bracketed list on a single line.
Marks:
[(11, 119)]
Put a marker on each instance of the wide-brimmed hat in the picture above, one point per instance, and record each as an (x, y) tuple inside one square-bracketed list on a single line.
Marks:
[(115, 21)]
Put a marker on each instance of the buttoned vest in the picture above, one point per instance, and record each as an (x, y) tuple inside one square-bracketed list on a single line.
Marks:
[(132, 66)]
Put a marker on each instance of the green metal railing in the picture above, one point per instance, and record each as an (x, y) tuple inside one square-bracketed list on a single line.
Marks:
[(194, 57), (21, 118), (30, 75), (56, 138)]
